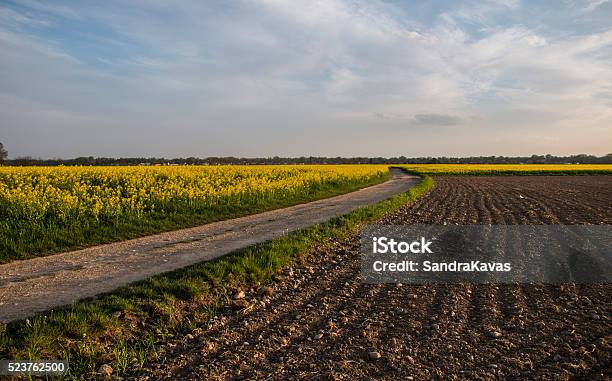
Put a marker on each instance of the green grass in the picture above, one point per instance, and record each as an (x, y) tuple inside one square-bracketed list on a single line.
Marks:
[(89, 334), (20, 239)]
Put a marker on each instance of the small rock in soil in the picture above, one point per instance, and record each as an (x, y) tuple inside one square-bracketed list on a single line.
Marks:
[(267, 291), (105, 371), (374, 355)]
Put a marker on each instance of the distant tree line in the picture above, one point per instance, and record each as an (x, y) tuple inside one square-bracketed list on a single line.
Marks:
[(90, 160)]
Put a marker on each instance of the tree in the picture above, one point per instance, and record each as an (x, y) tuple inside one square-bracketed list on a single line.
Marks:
[(3, 153)]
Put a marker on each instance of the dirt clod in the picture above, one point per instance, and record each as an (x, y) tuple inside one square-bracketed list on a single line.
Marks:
[(374, 355), (239, 295), (266, 291), (105, 371)]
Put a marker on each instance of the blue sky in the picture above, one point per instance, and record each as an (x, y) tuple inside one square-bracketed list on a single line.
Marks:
[(292, 78)]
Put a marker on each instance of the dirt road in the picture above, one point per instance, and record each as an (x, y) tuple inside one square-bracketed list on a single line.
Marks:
[(322, 323), (39, 284)]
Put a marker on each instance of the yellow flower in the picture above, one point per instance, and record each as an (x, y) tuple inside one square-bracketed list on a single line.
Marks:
[(65, 193)]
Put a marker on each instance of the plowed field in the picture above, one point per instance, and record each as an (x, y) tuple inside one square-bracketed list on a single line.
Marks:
[(318, 321)]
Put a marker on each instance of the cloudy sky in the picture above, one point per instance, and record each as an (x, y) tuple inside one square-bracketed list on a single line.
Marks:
[(292, 78)]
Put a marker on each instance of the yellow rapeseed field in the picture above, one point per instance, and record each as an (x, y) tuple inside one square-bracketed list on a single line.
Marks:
[(65, 192), (47, 208), (508, 169)]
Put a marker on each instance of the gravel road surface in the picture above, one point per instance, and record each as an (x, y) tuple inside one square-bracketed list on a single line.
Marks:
[(39, 284)]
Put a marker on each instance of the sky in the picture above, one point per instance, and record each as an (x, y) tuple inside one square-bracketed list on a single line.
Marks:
[(300, 78)]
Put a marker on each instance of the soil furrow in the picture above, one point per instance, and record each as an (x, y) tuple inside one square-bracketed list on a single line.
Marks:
[(435, 331)]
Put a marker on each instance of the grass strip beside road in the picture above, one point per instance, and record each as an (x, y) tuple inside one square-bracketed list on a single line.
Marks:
[(123, 328)]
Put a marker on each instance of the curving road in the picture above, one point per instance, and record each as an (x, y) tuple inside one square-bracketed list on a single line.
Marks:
[(40, 284)]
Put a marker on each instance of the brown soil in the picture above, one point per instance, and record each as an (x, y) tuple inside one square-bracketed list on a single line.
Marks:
[(321, 322)]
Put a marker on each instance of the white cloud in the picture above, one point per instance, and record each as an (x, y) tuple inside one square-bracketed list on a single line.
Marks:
[(535, 41), (592, 4), (255, 69)]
